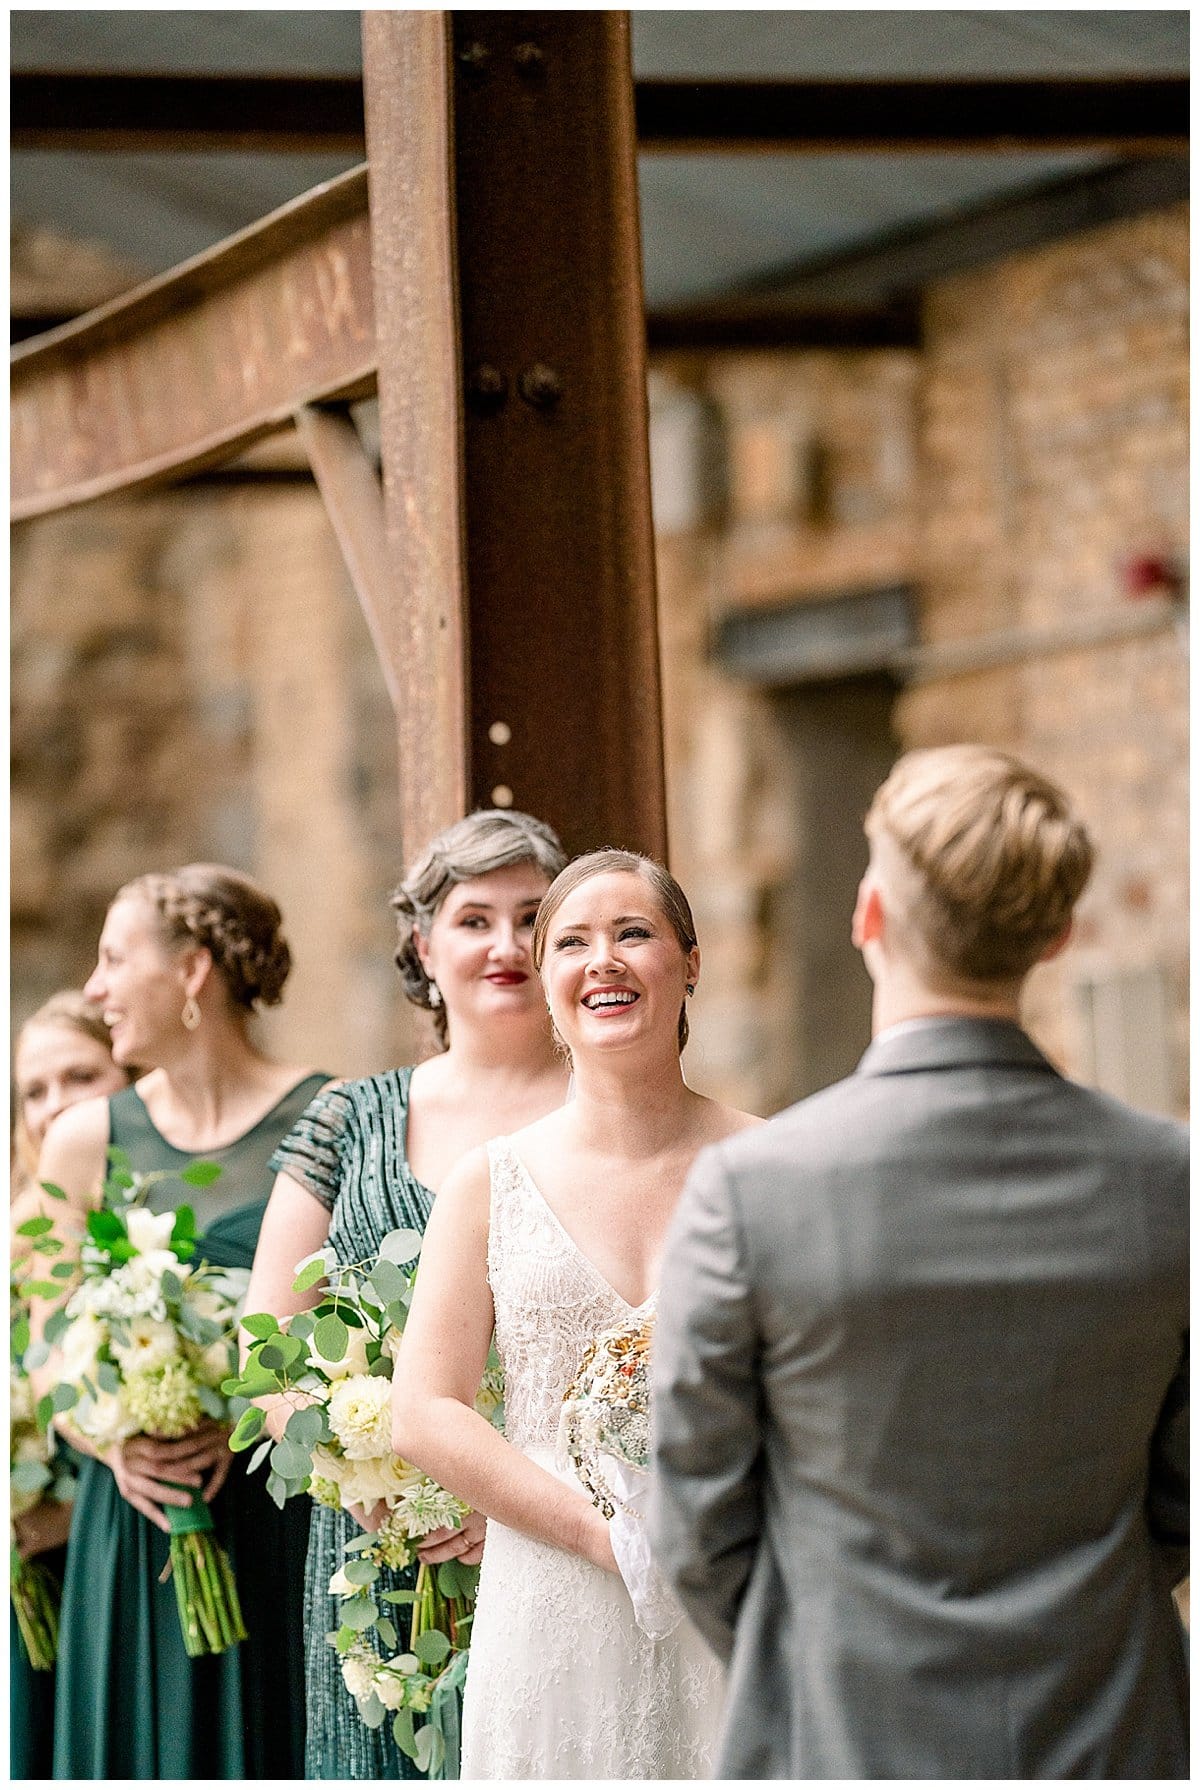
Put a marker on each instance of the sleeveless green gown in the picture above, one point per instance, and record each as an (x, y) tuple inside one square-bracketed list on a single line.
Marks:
[(129, 1701), (350, 1151), (31, 1696)]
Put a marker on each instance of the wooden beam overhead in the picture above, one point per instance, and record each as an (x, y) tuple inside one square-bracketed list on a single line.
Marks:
[(172, 113)]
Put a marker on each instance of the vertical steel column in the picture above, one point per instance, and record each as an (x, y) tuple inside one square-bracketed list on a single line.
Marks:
[(511, 341), (409, 142), (565, 710)]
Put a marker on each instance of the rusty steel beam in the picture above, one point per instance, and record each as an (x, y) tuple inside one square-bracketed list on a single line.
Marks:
[(405, 78), (195, 365), (565, 706), (350, 487)]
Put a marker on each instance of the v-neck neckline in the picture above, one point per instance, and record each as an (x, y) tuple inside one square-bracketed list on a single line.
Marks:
[(583, 1256)]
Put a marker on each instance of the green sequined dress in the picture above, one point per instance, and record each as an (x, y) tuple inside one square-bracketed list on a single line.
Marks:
[(130, 1703), (350, 1152)]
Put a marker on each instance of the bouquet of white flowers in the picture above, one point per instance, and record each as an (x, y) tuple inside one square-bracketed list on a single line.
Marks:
[(37, 1470), (145, 1342), (333, 1364)]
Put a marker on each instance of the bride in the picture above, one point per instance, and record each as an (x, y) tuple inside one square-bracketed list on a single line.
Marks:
[(552, 1235)]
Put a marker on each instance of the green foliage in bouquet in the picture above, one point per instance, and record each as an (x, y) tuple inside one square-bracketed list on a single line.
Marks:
[(37, 1470), (145, 1338), (333, 1364)]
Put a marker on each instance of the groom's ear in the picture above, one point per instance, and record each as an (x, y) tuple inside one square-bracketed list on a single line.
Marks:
[(867, 925)]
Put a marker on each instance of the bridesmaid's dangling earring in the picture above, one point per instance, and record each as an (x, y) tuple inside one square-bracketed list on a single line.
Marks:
[(435, 994), (191, 1013)]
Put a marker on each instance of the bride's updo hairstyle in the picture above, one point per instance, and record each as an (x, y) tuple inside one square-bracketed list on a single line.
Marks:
[(490, 839), (231, 917), (670, 898)]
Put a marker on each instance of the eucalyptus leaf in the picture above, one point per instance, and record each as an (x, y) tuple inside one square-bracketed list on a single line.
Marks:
[(331, 1339), (432, 1647), (39, 1289), (402, 1733), (108, 1377), (200, 1174), (118, 1157), (35, 1227), (210, 1402), (388, 1281), (56, 1325), (35, 1354), (307, 1427), (359, 1542), (308, 1277), (387, 1632), (63, 1271), (171, 1285), (43, 1411), (359, 1613), (302, 1326), (396, 1597), (53, 1189), (260, 1324), (427, 1756), (400, 1246), (346, 1637), (361, 1572), (248, 1428), (259, 1456), (372, 1712), (291, 1460), (277, 1489)]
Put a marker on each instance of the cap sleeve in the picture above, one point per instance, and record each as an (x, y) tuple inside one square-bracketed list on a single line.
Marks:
[(314, 1151)]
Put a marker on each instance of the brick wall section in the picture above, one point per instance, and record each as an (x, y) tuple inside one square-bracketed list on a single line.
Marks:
[(1053, 446), (192, 679)]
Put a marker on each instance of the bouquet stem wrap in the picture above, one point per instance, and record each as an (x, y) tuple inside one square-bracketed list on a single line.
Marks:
[(35, 1597), (210, 1612)]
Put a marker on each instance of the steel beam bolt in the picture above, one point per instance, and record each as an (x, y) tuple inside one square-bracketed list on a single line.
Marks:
[(540, 386)]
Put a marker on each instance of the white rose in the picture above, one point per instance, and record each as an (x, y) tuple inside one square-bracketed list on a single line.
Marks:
[(358, 1673), (150, 1232), (391, 1344), (104, 1419), (340, 1586), (328, 1466), (361, 1483), (81, 1343), (396, 1477), (354, 1361), (151, 1342), (390, 1689), (360, 1416)]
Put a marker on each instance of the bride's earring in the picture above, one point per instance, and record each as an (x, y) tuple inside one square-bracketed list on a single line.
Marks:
[(435, 994), (191, 1013), (691, 987)]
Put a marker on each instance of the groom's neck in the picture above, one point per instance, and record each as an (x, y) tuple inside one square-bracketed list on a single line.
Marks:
[(902, 993)]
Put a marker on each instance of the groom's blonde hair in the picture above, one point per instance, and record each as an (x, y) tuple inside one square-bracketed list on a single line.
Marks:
[(989, 860)]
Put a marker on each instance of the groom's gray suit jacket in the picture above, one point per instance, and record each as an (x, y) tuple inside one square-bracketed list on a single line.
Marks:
[(920, 1414)]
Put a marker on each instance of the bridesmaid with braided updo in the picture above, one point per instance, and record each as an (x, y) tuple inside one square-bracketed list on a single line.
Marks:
[(184, 960), (368, 1155)]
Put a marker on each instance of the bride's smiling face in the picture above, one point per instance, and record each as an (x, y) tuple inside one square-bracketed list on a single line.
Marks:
[(615, 972)]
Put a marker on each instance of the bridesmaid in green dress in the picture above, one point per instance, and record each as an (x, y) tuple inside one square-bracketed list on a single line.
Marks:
[(62, 1055), (184, 958), (366, 1156)]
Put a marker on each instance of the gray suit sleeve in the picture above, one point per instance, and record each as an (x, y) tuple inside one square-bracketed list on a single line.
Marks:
[(705, 1501), (1167, 1492)]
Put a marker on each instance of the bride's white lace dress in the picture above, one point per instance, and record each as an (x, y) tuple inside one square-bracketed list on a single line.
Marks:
[(561, 1681)]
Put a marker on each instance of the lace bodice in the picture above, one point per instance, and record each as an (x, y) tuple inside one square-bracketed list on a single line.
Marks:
[(550, 1301)]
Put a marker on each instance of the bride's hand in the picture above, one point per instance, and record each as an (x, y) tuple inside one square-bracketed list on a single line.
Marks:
[(465, 1544), (368, 1516)]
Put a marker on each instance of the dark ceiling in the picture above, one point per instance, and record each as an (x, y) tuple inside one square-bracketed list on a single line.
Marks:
[(710, 222)]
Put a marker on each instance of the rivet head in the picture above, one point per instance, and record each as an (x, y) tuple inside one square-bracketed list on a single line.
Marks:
[(474, 57), (487, 389), (529, 60), (540, 386)]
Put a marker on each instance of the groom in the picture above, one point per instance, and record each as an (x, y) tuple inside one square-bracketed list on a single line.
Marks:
[(920, 1365)]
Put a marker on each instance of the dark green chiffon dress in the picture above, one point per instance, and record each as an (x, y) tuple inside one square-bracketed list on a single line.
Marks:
[(130, 1703), (31, 1696), (350, 1151)]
